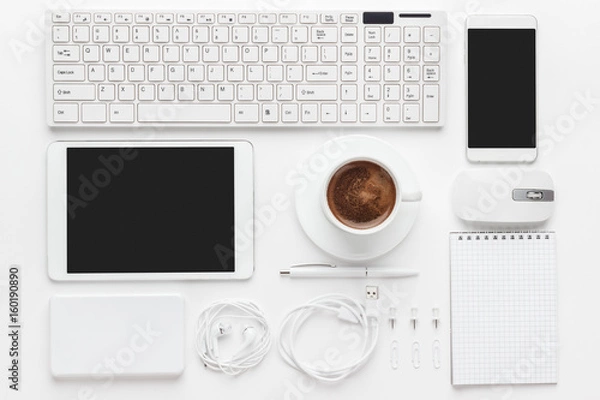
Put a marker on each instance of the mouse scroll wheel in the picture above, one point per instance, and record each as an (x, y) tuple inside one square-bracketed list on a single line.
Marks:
[(535, 195)]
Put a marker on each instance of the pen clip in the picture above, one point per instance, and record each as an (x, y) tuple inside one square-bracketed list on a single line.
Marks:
[(313, 265)]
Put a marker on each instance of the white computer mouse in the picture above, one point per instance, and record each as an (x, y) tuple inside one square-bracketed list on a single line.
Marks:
[(509, 195)]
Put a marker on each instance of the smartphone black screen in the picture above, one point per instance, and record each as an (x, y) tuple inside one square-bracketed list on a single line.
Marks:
[(501, 88)]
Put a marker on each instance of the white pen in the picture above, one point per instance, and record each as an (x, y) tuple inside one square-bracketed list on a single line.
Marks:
[(324, 270)]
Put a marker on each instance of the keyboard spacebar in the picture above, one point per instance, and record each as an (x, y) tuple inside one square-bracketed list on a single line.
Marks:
[(184, 113)]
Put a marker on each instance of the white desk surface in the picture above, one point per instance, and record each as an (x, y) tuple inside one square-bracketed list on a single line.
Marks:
[(568, 65)]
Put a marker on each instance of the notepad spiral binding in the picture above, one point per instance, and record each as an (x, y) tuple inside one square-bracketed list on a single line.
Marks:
[(519, 235)]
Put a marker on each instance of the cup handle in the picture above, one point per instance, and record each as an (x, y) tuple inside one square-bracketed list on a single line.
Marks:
[(412, 196)]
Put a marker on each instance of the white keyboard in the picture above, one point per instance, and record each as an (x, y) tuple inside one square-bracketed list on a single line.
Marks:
[(246, 69)]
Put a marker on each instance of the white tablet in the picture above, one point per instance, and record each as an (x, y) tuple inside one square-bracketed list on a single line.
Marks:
[(150, 210)]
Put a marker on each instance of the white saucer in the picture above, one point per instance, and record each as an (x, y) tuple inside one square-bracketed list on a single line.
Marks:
[(345, 245)]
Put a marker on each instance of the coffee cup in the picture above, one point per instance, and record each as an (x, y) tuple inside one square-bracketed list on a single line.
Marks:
[(361, 196)]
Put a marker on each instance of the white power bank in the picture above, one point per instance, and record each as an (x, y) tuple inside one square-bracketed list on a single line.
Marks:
[(116, 336)]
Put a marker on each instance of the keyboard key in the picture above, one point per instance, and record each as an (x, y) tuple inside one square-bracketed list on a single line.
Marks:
[(309, 112), (267, 18), (66, 112), (392, 34), (308, 18), (348, 112), (167, 93), (431, 34), (121, 113), (65, 53), (270, 112), (285, 92), (373, 34), (391, 112), (321, 73), (160, 34), (279, 34), (412, 73), (246, 113), (106, 92), (289, 112), (316, 92), (185, 18), (206, 18), (103, 18), (329, 112), (165, 18), (100, 34), (69, 73), (412, 54), (218, 113), (411, 113), (329, 19), (93, 112), (391, 92), (74, 92), (349, 34), (349, 93), (431, 54), (431, 73), (82, 18), (141, 34), (61, 17), (411, 92), (227, 18), (200, 34), (288, 19), (123, 18), (412, 34), (60, 34), (206, 92), (368, 112), (349, 18), (81, 34), (144, 18), (247, 18), (240, 34), (260, 34), (324, 35), (431, 103), (299, 34)]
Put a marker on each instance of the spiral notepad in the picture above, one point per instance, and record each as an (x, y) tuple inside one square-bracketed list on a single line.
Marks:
[(504, 308)]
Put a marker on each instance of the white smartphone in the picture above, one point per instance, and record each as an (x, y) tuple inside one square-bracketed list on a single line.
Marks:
[(501, 88)]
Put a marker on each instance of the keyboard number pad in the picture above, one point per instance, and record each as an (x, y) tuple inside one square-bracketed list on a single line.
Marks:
[(411, 72)]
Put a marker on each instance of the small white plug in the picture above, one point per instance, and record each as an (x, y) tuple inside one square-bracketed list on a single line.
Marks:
[(372, 295)]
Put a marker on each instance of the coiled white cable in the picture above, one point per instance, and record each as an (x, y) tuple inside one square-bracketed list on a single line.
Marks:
[(212, 323), (347, 309)]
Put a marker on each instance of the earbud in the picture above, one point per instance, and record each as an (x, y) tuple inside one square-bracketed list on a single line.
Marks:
[(249, 333), (218, 331)]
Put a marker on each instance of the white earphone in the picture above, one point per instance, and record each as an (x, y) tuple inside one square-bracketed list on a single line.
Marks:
[(213, 325)]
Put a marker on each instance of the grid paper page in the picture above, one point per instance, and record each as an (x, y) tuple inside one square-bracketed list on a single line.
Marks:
[(504, 308)]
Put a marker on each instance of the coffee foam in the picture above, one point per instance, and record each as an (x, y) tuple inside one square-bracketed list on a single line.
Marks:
[(361, 194)]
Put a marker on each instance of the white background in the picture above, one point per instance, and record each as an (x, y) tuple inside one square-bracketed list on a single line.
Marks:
[(568, 65)]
